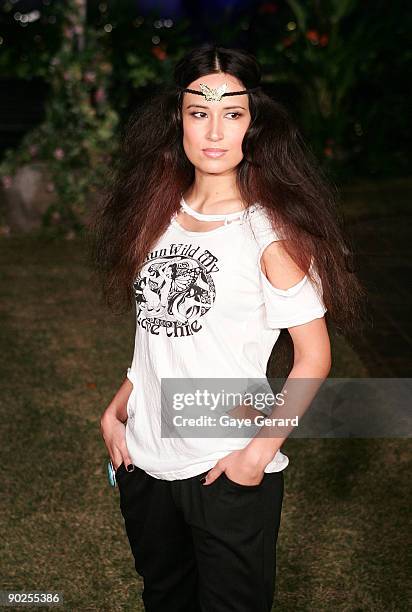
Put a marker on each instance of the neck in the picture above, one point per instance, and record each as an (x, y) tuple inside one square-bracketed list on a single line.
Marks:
[(214, 193)]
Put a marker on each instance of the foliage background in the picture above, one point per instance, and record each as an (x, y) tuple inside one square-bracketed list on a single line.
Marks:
[(342, 68), (339, 65)]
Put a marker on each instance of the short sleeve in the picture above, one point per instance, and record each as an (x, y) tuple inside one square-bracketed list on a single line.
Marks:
[(296, 305), (299, 304)]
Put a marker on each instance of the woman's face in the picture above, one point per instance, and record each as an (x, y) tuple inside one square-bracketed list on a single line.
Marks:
[(215, 125)]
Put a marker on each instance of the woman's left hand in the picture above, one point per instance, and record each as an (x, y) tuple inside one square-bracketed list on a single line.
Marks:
[(240, 467)]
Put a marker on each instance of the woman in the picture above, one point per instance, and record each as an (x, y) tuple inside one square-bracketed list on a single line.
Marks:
[(220, 222)]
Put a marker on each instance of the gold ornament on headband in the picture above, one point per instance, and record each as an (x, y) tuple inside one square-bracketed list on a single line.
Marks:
[(211, 94), (215, 94)]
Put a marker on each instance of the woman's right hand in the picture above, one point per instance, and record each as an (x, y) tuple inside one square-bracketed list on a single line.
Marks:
[(114, 435)]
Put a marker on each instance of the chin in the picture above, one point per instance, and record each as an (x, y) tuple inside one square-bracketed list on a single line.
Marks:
[(214, 170), (213, 166)]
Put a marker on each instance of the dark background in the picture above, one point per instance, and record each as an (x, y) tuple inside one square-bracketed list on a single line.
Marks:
[(342, 68)]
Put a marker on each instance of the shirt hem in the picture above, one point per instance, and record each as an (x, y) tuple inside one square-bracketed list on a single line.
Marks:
[(195, 470), (315, 314)]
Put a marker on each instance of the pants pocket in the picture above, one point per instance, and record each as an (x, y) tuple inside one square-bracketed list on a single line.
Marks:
[(238, 485)]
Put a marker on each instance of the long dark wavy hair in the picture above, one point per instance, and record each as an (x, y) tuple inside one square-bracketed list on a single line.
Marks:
[(278, 170)]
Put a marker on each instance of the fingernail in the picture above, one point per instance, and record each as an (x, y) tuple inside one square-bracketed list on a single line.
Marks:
[(203, 479), (130, 467)]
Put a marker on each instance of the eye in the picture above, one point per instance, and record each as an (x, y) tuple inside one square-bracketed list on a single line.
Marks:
[(202, 113)]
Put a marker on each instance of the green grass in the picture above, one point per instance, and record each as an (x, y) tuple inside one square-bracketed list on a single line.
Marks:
[(342, 544)]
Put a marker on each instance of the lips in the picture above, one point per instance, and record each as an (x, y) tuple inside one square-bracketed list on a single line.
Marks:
[(214, 152)]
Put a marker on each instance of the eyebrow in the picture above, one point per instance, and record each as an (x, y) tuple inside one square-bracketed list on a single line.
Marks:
[(207, 108)]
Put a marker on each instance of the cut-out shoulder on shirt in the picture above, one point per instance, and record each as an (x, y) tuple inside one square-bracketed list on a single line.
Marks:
[(279, 268)]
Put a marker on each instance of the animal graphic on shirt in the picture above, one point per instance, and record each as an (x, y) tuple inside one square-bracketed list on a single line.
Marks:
[(174, 288)]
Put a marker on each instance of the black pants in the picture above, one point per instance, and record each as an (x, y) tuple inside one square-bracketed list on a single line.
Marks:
[(203, 548)]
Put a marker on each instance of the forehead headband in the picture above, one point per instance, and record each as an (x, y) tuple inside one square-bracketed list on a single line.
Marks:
[(216, 94)]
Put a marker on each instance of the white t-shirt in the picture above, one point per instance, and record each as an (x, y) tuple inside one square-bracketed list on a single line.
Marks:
[(205, 309)]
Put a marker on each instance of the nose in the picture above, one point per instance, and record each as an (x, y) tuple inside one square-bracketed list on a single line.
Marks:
[(215, 130)]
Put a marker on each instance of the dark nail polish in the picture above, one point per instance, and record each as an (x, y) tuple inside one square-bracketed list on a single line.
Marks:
[(203, 479), (130, 467)]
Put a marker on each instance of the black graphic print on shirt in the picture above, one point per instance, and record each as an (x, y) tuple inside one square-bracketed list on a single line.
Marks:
[(174, 289)]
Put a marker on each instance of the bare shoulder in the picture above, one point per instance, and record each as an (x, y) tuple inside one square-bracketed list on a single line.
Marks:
[(278, 267)]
